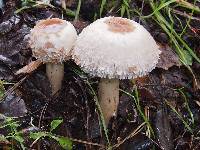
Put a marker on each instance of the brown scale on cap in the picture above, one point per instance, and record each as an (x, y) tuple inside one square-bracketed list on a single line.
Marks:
[(48, 45), (48, 22), (132, 69), (39, 53), (119, 25)]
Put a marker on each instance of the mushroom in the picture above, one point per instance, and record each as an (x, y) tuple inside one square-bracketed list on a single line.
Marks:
[(51, 41), (114, 48)]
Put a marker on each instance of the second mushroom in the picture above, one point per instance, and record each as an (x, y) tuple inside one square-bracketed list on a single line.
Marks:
[(51, 41), (114, 48)]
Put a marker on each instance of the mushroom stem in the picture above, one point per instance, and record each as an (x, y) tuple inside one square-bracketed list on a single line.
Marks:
[(55, 74), (63, 3), (108, 97)]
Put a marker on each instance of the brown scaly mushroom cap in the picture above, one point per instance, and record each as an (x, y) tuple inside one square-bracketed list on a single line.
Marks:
[(51, 40), (115, 47)]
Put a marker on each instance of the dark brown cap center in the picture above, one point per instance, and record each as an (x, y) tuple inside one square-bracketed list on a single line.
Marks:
[(48, 22), (119, 25)]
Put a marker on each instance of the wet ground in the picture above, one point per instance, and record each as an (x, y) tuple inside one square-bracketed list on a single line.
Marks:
[(168, 86)]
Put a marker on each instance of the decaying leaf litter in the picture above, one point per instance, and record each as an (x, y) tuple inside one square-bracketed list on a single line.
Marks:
[(167, 100)]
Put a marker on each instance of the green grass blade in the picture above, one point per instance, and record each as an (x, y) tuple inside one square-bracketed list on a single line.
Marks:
[(173, 35), (103, 2), (137, 103), (78, 10), (180, 117), (100, 113), (187, 105), (159, 8)]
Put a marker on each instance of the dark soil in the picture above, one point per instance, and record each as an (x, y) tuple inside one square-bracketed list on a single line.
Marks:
[(30, 98)]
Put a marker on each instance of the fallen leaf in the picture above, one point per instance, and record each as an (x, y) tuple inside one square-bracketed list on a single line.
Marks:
[(13, 106), (29, 68), (168, 58)]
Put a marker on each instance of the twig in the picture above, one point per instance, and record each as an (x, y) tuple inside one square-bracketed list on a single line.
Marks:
[(86, 142), (75, 140), (13, 88), (185, 15), (42, 114), (186, 4), (135, 132)]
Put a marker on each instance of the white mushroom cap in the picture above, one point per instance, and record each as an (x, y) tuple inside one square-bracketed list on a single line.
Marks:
[(115, 47), (51, 40)]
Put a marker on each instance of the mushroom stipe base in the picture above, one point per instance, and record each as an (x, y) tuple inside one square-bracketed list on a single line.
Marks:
[(55, 74), (108, 97)]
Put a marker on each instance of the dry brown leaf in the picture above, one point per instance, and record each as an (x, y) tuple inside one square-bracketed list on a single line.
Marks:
[(29, 68), (168, 58)]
